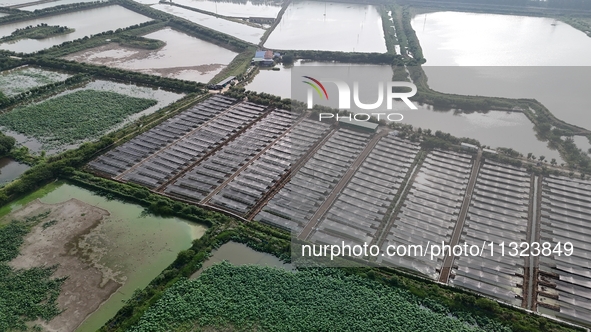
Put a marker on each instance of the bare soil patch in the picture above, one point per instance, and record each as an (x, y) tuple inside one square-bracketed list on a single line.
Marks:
[(61, 242)]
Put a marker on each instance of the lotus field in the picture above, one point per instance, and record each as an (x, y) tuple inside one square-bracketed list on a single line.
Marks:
[(255, 298), (73, 117)]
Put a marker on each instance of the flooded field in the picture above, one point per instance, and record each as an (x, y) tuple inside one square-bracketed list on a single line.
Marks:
[(471, 39), (205, 62), (563, 90), (236, 9), (15, 81), (106, 247), (54, 4), (85, 22), (313, 25), (241, 254), (238, 30), (10, 170), (163, 98)]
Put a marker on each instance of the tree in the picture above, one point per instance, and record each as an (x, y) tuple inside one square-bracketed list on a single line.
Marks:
[(287, 59), (6, 144), (529, 156), (553, 161), (542, 158)]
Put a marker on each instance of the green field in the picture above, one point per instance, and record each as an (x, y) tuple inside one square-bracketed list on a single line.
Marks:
[(255, 298), (73, 117)]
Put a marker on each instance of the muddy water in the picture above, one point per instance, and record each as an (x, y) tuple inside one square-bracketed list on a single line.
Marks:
[(137, 246), (10, 170), (328, 26), (85, 22), (183, 57), (241, 254)]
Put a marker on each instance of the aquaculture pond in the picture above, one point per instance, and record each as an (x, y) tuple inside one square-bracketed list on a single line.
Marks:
[(238, 30), (85, 22), (10, 170), (494, 128), (240, 254), (509, 56), (18, 80), (329, 26), (236, 8), (119, 246), (53, 4), (205, 62), (475, 39), (163, 98)]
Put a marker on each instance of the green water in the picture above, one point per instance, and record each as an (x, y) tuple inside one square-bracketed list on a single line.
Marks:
[(139, 246), (241, 254)]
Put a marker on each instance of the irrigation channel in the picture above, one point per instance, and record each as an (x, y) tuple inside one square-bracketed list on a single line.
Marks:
[(331, 183)]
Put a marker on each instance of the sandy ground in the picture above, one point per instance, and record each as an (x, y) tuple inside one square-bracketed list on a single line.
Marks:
[(88, 284)]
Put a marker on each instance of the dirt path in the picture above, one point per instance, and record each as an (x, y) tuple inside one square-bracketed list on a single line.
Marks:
[(88, 284)]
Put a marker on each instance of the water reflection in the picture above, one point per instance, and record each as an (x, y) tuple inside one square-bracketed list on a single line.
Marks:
[(328, 26), (10, 170), (473, 39), (85, 22), (241, 254), (238, 30)]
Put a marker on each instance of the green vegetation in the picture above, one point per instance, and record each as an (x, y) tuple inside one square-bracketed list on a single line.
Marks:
[(6, 144), (40, 31), (348, 57), (73, 117), (25, 294), (43, 91), (187, 27), (237, 67), (155, 204), (287, 293), (118, 74), (102, 38), (311, 300)]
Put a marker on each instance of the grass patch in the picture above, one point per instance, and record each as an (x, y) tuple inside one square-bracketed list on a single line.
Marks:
[(74, 117), (40, 31)]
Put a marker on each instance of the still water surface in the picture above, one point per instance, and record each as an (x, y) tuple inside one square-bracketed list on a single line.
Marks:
[(238, 30), (328, 26), (235, 9), (85, 22), (10, 170)]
